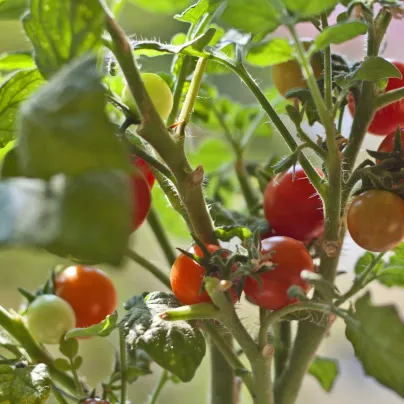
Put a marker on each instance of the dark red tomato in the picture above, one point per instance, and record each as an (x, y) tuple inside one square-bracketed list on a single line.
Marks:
[(187, 276), (376, 220), (89, 291), (144, 168), (291, 258), (141, 199), (387, 145), (293, 207), (386, 119)]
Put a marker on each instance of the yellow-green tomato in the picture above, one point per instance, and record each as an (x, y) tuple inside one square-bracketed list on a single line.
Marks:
[(159, 92), (49, 317)]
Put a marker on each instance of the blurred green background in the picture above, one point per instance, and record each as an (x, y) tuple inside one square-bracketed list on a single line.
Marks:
[(28, 269)]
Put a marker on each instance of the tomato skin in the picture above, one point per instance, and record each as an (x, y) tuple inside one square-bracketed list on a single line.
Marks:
[(387, 145), (292, 206), (386, 119), (89, 291), (291, 258), (186, 278), (141, 199), (49, 317), (145, 170), (376, 220)]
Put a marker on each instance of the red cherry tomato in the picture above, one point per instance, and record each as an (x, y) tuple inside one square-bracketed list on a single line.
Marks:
[(292, 206), (387, 145), (144, 168), (141, 199), (187, 278), (89, 291), (387, 118), (376, 220), (291, 258)]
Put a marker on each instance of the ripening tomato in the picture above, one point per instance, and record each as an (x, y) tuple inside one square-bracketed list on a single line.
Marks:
[(159, 93), (289, 75), (141, 199), (386, 119), (291, 258), (292, 206), (89, 291), (187, 278), (144, 168), (49, 317), (376, 220), (387, 145)]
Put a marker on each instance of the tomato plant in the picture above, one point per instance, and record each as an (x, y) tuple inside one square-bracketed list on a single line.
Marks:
[(387, 145), (290, 258), (94, 401), (292, 206), (89, 291), (141, 199), (145, 169), (48, 317)]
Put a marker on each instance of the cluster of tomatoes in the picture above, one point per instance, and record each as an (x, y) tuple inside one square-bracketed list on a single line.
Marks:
[(83, 296)]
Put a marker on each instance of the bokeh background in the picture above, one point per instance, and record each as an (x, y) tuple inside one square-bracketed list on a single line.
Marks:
[(28, 269)]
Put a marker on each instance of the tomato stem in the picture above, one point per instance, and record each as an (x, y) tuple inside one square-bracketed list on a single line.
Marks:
[(391, 96), (164, 377), (123, 366), (327, 68), (283, 340), (79, 386)]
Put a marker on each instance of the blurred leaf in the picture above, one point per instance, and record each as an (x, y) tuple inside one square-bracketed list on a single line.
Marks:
[(12, 9), (194, 13), (378, 342), (339, 33), (391, 276), (69, 347), (10, 166), (363, 262), (139, 364), (376, 68), (102, 329), (64, 129), (270, 53), (62, 30), (16, 61), (306, 8), (13, 91), (397, 258), (62, 364), (28, 385), (162, 6), (325, 370), (177, 346), (11, 346)]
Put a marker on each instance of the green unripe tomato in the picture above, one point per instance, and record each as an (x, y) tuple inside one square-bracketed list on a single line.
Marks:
[(159, 92), (49, 317)]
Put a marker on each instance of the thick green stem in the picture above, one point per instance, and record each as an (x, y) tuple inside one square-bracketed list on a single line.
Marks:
[(161, 236), (123, 366), (149, 266), (79, 386), (283, 340), (327, 68), (197, 311), (387, 98), (159, 387)]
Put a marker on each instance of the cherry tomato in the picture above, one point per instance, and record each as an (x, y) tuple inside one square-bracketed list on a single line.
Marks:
[(387, 145), (144, 168), (376, 220), (291, 258), (141, 199), (49, 317), (292, 206), (386, 119), (187, 278), (89, 291), (159, 93), (289, 75)]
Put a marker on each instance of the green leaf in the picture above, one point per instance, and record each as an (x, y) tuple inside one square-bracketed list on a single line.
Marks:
[(254, 16), (270, 53), (378, 342), (63, 30), (64, 129), (162, 6), (363, 262), (12, 9), (11, 346), (391, 276), (139, 364), (13, 91), (10, 166), (339, 33), (397, 258), (306, 8), (29, 385), (69, 347), (194, 13), (227, 233), (77, 362), (376, 68), (62, 364), (102, 329), (177, 346), (16, 61), (325, 370)]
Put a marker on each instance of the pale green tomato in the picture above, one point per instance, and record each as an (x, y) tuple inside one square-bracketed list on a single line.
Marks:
[(49, 317), (159, 92)]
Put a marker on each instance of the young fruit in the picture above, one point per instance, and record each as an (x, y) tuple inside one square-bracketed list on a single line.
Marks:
[(144, 168), (89, 291), (187, 278), (376, 220), (386, 119), (292, 206), (48, 318), (141, 199), (290, 258), (159, 93), (289, 75)]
